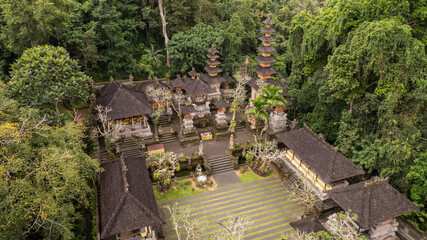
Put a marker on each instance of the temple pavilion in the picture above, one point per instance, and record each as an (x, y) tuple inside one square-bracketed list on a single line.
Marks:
[(127, 108), (309, 156), (376, 204), (128, 207)]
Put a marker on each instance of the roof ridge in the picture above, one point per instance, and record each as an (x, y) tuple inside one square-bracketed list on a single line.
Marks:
[(124, 173), (320, 138), (113, 216), (366, 206), (154, 216)]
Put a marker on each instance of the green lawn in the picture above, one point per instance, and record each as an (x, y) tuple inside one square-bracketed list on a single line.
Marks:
[(250, 176), (177, 191)]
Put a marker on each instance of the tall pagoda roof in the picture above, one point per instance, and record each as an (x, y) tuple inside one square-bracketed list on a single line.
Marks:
[(264, 71), (212, 70), (197, 87), (109, 88), (330, 164), (213, 49), (210, 62), (210, 56), (266, 49), (373, 201), (212, 79), (265, 60), (125, 103), (228, 79), (267, 39), (268, 21), (269, 81), (192, 73), (268, 30), (127, 200), (179, 82)]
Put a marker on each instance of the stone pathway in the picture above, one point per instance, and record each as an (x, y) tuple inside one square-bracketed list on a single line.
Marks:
[(226, 178), (266, 202)]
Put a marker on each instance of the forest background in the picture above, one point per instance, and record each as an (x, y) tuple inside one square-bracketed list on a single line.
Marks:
[(357, 70)]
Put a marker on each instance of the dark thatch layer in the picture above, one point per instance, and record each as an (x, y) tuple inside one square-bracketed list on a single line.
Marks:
[(212, 70), (253, 83), (228, 79), (308, 225), (192, 73), (179, 82), (268, 21), (268, 30), (123, 210), (212, 50), (212, 56), (264, 71), (125, 103), (267, 39), (372, 204), (109, 88), (187, 109), (318, 156), (197, 87), (142, 86), (212, 79), (210, 62), (221, 104), (266, 49), (267, 60)]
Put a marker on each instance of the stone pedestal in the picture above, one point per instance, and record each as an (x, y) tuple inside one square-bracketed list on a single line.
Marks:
[(278, 122), (220, 121), (384, 230), (188, 125)]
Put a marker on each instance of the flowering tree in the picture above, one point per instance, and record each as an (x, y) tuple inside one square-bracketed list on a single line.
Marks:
[(261, 154), (300, 190), (164, 164), (234, 227), (181, 220), (107, 128)]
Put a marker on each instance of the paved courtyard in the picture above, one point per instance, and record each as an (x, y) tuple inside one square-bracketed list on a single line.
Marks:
[(265, 202)]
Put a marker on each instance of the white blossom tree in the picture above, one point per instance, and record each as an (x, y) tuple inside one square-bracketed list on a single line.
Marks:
[(234, 227), (182, 220), (107, 127), (164, 164), (301, 191)]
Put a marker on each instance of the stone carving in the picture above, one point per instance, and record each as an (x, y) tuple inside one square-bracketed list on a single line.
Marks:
[(278, 121), (188, 126), (220, 120)]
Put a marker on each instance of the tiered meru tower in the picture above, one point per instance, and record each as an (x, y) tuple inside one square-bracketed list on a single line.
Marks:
[(212, 78), (264, 69)]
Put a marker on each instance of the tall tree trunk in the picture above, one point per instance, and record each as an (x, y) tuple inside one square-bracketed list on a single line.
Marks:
[(165, 34)]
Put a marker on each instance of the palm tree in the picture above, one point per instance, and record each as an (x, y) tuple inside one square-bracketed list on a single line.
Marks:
[(258, 111), (154, 54), (271, 96)]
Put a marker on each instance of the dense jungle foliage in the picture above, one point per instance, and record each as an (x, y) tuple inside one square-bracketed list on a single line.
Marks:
[(357, 72)]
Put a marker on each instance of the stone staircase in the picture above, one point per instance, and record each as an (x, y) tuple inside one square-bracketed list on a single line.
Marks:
[(239, 127), (168, 138), (163, 121), (130, 147), (220, 164)]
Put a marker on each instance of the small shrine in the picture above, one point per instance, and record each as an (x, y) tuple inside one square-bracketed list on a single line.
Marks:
[(220, 121), (376, 204), (278, 120)]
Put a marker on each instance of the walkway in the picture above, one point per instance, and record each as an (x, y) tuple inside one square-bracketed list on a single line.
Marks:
[(266, 202)]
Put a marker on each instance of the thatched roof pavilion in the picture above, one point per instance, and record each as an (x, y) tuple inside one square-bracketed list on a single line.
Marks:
[(308, 225), (127, 199)]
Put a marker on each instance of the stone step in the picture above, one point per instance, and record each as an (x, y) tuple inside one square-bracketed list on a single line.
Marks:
[(222, 170), (221, 164)]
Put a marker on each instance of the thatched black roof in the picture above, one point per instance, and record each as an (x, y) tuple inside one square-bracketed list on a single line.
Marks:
[(213, 49), (267, 39), (125, 103), (212, 70), (268, 21), (197, 87), (212, 79), (264, 71), (373, 203), (187, 109), (127, 199), (142, 86), (221, 104), (269, 81), (212, 56), (210, 62), (308, 225), (266, 49), (268, 30), (192, 73), (265, 60), (109, 88), (318, 156), (179, 82), (228, 79)]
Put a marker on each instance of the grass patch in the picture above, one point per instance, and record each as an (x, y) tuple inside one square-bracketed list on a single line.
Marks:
[(179, 190), (250, 176)]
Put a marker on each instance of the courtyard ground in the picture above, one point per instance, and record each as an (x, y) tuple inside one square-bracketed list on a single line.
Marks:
[(265, 202)]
